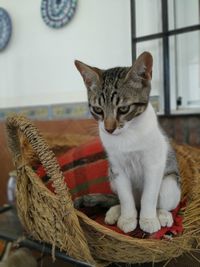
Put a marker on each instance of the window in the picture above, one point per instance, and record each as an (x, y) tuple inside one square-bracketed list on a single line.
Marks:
[(170, 30)]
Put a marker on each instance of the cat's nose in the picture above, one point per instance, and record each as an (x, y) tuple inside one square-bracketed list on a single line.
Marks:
[(110, 125), (111, 130)]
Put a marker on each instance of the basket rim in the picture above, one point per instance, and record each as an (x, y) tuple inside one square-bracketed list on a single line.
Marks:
[(109, 232)]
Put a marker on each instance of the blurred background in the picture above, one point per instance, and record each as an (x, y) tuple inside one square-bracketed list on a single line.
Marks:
[(170, 30), (37, 65), (40, 39)]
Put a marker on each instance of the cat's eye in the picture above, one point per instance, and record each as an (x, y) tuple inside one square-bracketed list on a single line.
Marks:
[(124, 109), (97, 110)]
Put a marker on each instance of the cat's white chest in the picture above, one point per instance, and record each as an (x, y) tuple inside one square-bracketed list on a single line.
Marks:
[(132, 166), (128, 161)]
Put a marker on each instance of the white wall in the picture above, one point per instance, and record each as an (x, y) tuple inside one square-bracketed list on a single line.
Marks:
[(37, 67)]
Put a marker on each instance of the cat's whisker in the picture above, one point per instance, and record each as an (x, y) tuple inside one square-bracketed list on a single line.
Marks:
[(93, 130)]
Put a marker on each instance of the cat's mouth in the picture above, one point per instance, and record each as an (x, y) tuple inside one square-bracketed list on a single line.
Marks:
[(114, 132), (110, 132)]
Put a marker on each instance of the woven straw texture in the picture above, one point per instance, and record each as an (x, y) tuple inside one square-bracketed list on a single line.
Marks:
[(53, 219)]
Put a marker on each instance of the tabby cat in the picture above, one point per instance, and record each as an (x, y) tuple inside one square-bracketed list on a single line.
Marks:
[(143, 166)]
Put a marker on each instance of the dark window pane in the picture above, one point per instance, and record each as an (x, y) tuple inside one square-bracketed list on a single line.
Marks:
[(185, 69), (148, 17), (183, 13), (156, 49)]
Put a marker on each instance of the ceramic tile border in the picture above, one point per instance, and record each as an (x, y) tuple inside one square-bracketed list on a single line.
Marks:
[(51, 112), (58, 111)]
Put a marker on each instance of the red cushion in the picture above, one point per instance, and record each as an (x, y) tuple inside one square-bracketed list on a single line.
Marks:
[(85, 169)]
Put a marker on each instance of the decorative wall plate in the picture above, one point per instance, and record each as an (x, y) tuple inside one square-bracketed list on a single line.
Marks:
[(5, 28), (57, 13)]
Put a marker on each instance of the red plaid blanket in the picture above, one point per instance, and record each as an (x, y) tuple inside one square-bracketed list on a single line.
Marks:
[(85, 170)]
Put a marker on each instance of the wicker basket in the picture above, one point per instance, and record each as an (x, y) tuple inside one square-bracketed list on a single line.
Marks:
[(53, 219)]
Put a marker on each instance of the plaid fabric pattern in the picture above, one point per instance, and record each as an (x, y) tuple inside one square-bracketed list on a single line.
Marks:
[(85, 169)]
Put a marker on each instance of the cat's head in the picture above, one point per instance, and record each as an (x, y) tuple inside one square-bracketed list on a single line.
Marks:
[(118, 95)]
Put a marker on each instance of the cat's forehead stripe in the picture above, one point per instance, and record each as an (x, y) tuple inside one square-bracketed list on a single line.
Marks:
[(113, 94), (114, 98), (102, 99), (112, 76)]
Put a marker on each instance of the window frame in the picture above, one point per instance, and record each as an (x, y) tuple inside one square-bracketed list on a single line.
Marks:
[(164, 35)]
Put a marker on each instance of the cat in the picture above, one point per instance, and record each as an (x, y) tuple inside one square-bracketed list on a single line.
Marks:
[(143, 167)]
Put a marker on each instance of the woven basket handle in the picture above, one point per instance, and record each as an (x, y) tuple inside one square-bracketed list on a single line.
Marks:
[(18, 124)]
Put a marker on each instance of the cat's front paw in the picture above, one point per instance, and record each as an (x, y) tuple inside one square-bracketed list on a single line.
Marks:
[(112, 215), (165, 218), (150, 225), (127, 224)]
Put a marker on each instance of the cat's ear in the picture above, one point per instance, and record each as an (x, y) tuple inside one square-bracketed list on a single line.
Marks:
[(91, 75), (142, 67)]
